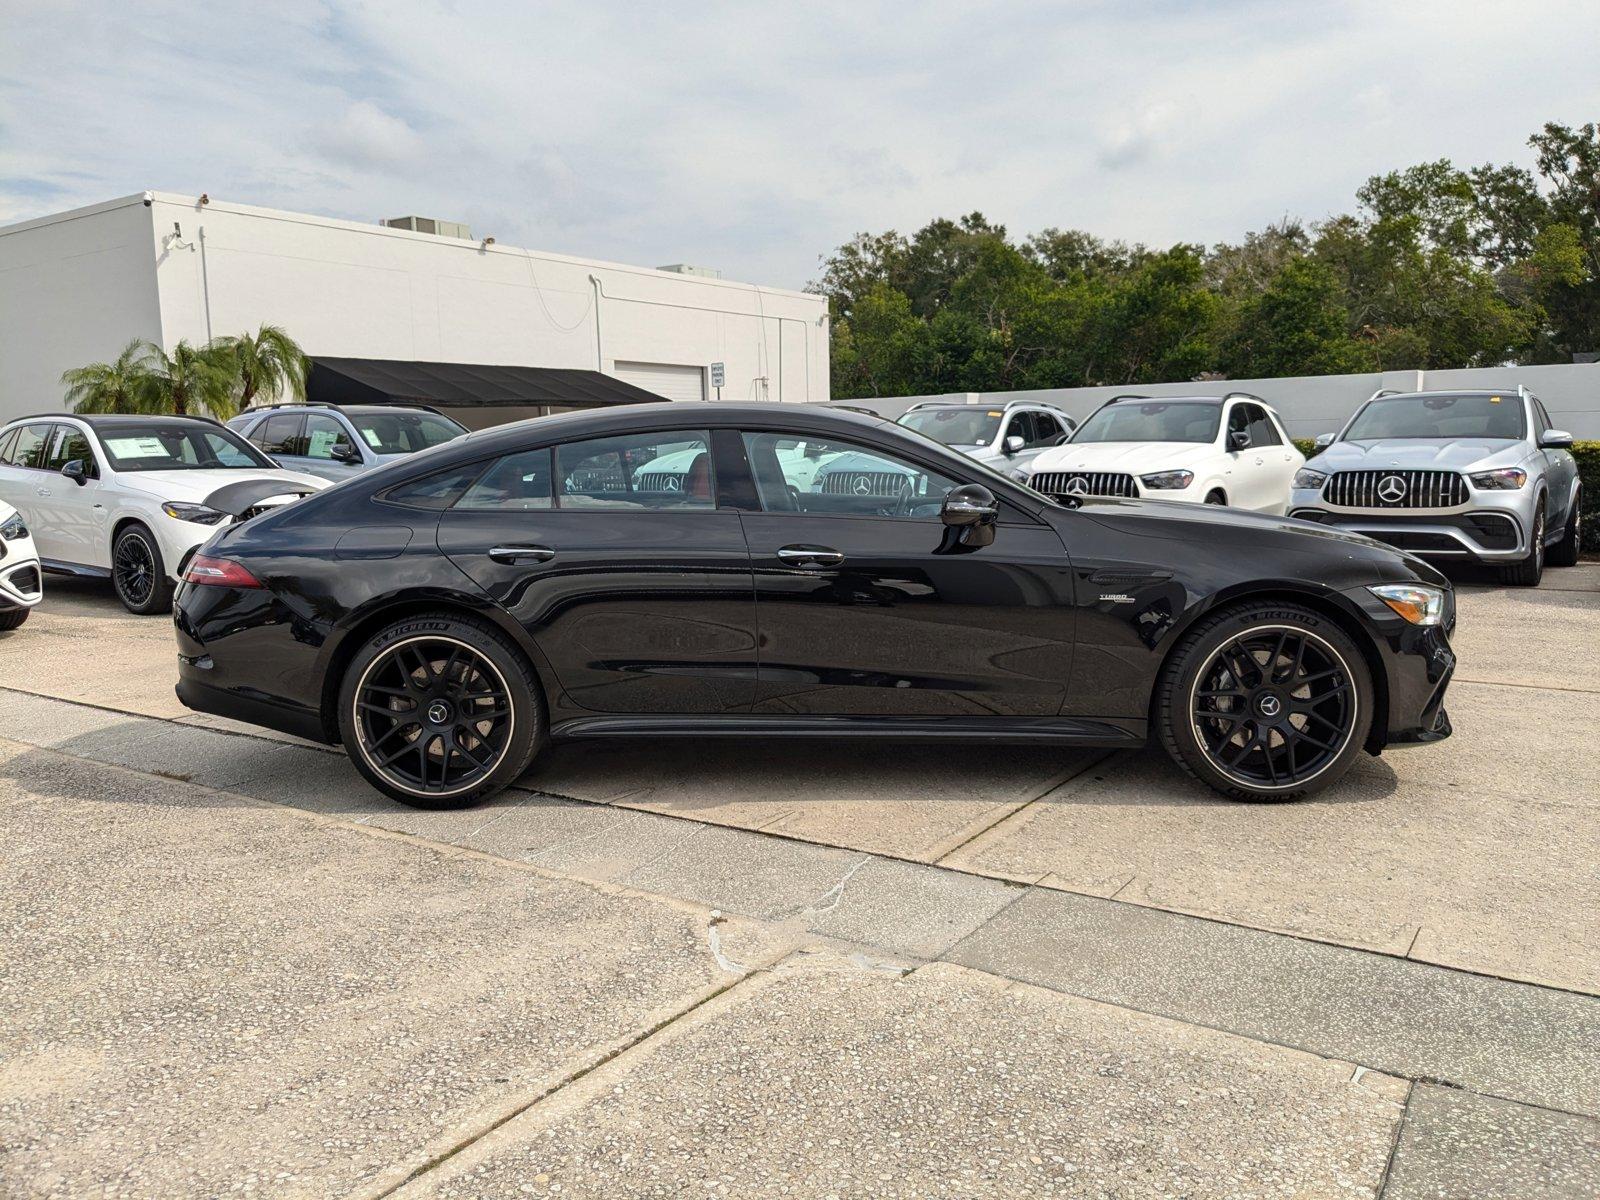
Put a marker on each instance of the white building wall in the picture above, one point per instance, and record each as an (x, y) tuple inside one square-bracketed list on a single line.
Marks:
[(181, 270), (74, 289)]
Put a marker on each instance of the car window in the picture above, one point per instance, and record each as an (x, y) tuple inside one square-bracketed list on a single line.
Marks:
[(955, 425), (1045, 429), (805, 474), (7, 440), (153, 445), (72, 444), (404, 432), (517, 482), (1262, 431), (666, 470), (323, 435), (1542, 417), (1438, 417), (1021, 426), (1238, 421), (280, 434), (33, 443), (1152, 421), (437, 491)]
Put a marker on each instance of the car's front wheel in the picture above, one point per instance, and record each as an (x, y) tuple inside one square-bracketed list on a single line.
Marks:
[(138, 574), (12, 618), (1565, 552), (440, 711), (1528, 571), (1265, 701)]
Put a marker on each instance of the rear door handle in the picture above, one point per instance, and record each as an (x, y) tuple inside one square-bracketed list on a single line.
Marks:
[(516, 554), (41, 491), (810, 556)]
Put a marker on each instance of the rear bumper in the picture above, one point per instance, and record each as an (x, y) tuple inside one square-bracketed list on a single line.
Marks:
[(197, 692)]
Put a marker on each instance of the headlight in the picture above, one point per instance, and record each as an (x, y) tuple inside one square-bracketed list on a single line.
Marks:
[(1168, 479), (1305, 477), (197, 513), (1021, 475), (1418, 604), (1507, 480), (14, 528)]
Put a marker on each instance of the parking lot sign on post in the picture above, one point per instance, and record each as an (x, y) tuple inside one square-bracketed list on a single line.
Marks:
[(719, 376)]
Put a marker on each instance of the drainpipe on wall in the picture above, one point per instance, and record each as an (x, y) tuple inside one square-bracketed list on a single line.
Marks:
[(599, 346)]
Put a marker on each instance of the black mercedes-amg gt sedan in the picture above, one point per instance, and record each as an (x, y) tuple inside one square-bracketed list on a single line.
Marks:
[(697, 570)]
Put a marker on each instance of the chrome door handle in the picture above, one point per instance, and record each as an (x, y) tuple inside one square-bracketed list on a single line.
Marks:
[(41, 491), (811, 556), (516, 554)]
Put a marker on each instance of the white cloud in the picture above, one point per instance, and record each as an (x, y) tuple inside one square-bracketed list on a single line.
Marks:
[(756, 137)]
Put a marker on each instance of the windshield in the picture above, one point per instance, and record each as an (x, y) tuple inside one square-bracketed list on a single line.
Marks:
[(955, 426), (1153, 421), (153, 446), (403, 432), (1439, 417)]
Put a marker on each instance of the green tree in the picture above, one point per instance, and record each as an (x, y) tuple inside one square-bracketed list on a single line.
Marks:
[(121, 386), (190, 381), (267, 364), (881, 349), (1298, 325)]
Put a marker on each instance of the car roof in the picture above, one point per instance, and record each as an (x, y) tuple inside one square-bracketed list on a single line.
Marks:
[(99, 420)]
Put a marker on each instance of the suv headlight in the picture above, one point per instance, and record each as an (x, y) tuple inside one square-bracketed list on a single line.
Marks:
[(1021, 475), (1305, 477), (14, 528), (179, 510), (1508, 479), (1415, 602), (1167, 480)]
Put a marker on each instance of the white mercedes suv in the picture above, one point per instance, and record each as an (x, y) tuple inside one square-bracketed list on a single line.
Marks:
[(1205, 449), (130, 498), (20, 585)]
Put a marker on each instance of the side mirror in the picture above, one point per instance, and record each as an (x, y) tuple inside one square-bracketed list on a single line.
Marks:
[(1324, 440), (972, 510), (1013, 443), (1239, 439), (345, 454), (76, 471), (1555, 439)]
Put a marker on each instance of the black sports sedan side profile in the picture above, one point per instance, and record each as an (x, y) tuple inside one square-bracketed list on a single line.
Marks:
[(694, 570)]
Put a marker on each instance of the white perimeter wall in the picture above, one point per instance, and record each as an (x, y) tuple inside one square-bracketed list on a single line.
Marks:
[(1315, 404), (75, 288)]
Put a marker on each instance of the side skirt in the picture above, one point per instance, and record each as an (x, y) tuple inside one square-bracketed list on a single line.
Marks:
[(1035, 730), (56, 567)]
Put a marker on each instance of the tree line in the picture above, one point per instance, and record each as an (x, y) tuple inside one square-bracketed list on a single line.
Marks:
[(1437, 267), (218, 379)]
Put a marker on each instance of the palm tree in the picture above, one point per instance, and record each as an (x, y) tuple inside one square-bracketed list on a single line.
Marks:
[(114, 387), (192, 379), (268, 364)]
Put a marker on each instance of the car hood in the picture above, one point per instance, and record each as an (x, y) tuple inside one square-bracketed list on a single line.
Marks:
[(1238, 532), (1132, 457), (195, 486), (1417, 454)]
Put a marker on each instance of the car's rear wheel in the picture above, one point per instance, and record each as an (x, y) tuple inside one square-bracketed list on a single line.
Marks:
[(1530, 570), (12, 618), (440, 711), (1565, 552), (138, 574), (1265, 702), (1215, 496)]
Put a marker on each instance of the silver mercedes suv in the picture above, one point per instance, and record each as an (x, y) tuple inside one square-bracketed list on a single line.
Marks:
[(1465, 475)]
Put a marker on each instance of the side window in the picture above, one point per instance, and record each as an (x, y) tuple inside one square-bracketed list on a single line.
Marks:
[(33, 444), (1045, 429), (667, 470), (517, 482), (804, 474), (437, 491), (71, 444), (8, 439), (1262, 430), (1238, 421), (1021, 426), (1542, 417), (280, 434), (323, 434)]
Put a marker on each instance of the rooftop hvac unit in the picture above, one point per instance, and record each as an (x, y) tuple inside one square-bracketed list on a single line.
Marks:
[(687, 269), (454, 229)]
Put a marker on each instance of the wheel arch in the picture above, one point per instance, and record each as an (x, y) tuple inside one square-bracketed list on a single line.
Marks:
[(1326, 604), (362, 623)]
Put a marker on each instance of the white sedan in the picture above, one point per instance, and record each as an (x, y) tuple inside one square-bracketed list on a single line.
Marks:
[(20, 584), (1204, 449), (129, 498)]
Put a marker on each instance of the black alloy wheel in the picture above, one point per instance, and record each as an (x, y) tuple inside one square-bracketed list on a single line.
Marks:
[(138, 574), (440, 711), (1266, 702)]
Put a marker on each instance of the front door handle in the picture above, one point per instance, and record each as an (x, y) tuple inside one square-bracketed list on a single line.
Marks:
[(811, 556), (516, 554), (42, 491)]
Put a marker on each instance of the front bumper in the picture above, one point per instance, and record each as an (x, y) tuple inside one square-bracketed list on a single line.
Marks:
[(1480, 531), (1417, 665), (21, 580)]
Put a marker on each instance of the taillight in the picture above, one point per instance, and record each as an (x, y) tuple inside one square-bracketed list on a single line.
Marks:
[(218, 572)]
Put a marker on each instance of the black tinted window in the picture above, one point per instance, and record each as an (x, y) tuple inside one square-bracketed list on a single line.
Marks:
[(1045, 429), (1262, 432), (517, 482), (811, 475), (641, 470), (439, 490), (280, 434), (71, 445)]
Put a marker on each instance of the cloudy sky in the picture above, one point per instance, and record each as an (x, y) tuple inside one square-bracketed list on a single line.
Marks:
[(753, 137)]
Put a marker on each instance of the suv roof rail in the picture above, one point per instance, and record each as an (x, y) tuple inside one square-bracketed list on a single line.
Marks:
[(1246, 396), (92, 417), (1382, 392), (1129, 396), (342, 406)]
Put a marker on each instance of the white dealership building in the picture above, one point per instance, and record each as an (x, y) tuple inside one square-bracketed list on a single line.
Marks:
[(397, 302)]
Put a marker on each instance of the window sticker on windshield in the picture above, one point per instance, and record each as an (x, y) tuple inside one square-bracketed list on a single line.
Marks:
[(322, 441), (372, 437), (137, 447), (1494, 399)]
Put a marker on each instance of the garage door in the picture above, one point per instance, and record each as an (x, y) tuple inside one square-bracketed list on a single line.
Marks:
[(665, 379)]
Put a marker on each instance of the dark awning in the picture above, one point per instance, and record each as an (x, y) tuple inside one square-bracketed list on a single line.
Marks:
[(455, 385)]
